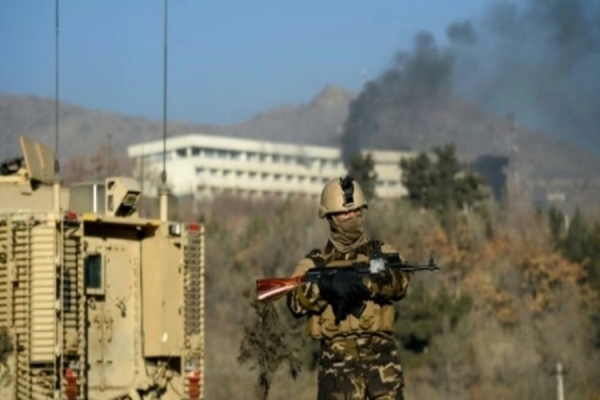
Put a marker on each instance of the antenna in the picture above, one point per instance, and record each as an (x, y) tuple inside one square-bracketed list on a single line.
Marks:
[(163, 190), (56, 81), (56, 183), (164, 170)]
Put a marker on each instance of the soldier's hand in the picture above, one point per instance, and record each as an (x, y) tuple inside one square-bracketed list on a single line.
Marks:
[(379, 280), (344, 285), (345, 291)]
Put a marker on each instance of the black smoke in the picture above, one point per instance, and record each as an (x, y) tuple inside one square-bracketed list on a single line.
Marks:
[(399, 95), (542, 62), (539, 60)]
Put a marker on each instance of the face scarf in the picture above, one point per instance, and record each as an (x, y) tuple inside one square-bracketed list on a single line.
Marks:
[(347, 233)]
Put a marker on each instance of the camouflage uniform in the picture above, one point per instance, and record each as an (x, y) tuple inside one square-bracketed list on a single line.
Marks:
[(358, 357), (360, 367)]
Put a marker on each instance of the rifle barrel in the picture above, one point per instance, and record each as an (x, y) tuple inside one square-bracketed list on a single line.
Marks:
[(409, 268)]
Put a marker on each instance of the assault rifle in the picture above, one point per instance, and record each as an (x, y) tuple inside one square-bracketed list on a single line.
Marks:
[(273, 288)]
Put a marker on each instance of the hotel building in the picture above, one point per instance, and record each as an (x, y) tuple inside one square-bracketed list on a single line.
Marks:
[(205, 165)]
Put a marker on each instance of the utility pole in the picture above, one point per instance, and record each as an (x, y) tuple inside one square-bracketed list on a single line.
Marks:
[(559, 372), (108, 156), (142, 169)]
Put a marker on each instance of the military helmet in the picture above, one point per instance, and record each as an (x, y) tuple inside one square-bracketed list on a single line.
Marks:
[(341, 195)]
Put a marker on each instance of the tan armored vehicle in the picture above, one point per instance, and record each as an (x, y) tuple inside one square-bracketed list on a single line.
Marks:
[(98, 303)]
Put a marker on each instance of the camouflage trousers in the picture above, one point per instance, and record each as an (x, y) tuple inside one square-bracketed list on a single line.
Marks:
[(360, 368)]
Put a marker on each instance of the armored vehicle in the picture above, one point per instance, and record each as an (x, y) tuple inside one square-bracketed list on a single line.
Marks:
[(96, 302)]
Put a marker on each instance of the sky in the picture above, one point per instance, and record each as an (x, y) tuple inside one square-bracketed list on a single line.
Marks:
[(227, 60)]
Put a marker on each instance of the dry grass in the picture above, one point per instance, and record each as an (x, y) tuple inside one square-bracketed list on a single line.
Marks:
[(530, 308)]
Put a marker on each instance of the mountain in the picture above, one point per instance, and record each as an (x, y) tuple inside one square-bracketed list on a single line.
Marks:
[(82, 131), (319, 122), (545, 166)]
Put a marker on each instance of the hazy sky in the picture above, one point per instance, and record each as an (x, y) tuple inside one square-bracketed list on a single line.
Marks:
[(227, 60)]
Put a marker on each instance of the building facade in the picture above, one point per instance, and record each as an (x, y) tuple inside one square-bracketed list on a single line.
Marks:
[(206, 165)]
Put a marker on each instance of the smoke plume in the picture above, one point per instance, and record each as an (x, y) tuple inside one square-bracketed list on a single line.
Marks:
[(398, 97), (539, 61), (542, 63)]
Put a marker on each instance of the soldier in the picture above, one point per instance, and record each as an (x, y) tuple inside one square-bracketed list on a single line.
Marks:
[(351, 316)]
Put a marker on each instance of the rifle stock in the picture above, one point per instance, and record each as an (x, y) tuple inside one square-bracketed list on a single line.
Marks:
[(274, 288)]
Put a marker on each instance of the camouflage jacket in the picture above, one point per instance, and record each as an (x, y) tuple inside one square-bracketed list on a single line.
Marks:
[(378, 315)]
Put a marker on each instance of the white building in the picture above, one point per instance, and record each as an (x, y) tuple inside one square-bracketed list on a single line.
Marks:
[(205, 165)]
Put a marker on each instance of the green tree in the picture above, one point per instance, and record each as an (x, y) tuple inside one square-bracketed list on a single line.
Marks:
[(441, 184), (574, 246), (425, 316), (580, 243), (593, 247), (418, 179), (556, 221), (362, 168)]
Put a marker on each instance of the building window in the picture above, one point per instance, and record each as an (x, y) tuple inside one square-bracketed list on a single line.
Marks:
[(264, 176), (182, 153), (196, 151), (156, 158), (200, 171)]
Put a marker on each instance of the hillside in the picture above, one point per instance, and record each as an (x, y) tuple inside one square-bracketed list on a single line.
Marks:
[(490, 324), (318, 122), (82, 131), (542, 164)]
